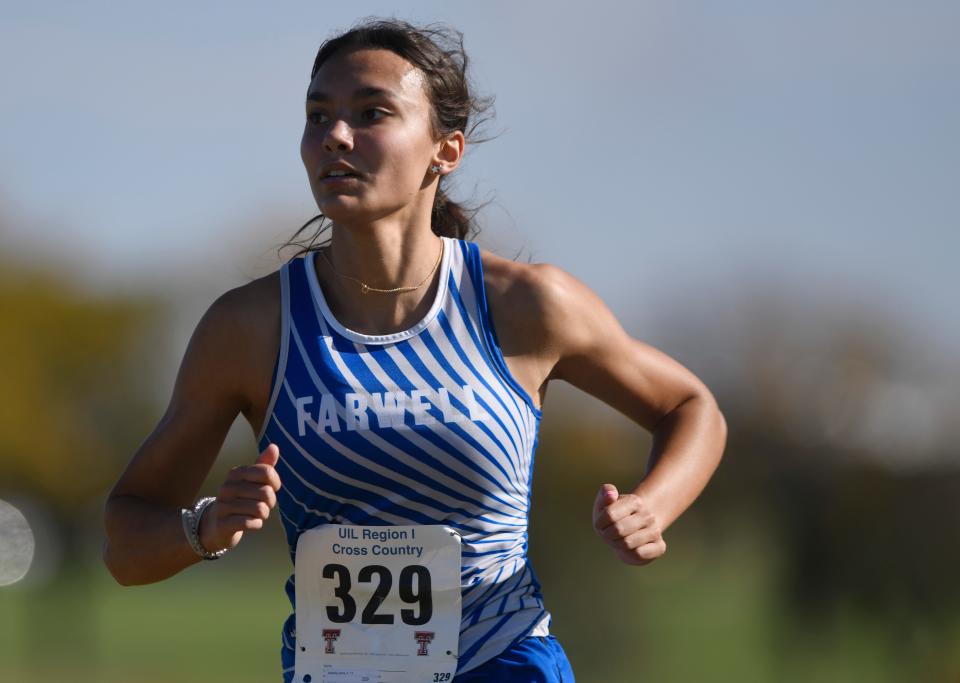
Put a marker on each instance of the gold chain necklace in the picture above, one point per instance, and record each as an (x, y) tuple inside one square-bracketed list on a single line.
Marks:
[(365, 288)]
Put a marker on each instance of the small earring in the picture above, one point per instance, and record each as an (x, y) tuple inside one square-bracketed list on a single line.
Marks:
[(436, 168)]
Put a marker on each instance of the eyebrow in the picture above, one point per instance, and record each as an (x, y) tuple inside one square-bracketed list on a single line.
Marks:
[(357, 95)]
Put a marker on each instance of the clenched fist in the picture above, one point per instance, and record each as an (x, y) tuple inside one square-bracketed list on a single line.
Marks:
[(243, 502), (627, 526)]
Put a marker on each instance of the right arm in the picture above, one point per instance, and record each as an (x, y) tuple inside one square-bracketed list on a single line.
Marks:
[(145, 542)]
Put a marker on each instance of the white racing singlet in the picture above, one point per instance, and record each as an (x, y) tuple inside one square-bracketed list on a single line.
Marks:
[(421, 427)]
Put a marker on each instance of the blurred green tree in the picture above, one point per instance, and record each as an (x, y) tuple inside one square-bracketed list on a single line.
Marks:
[(72, 401)]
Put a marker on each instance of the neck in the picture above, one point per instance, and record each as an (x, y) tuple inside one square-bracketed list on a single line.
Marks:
[(382, 255)]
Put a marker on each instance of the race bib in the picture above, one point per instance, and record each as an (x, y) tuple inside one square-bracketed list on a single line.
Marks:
[(377, 604)]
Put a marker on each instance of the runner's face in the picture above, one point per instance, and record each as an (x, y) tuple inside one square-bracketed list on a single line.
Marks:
[(367, 112)]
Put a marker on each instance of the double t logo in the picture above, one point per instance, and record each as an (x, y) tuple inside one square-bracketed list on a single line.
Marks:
[(329, 636), (424, 638)]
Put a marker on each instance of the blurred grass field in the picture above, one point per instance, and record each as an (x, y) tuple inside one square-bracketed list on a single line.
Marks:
[(198, 626), (706, 612)]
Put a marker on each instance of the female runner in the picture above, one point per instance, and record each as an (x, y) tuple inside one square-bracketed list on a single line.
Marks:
[(394, 378)]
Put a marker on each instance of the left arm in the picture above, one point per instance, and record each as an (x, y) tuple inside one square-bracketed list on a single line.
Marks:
[(587, 347)]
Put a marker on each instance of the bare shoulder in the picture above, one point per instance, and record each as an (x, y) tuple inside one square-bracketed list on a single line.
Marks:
[(246, 322), (503, 277), (247, 306), (519, 292), (546, 300), (540, 313), (235, 342)]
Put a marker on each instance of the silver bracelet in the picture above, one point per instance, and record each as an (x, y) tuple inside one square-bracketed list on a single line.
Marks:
[(190, 519)]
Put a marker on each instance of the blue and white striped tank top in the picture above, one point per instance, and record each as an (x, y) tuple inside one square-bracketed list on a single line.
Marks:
[(423, 426)]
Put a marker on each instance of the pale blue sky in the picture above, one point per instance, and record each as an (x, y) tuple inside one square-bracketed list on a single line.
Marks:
[(653, 149)]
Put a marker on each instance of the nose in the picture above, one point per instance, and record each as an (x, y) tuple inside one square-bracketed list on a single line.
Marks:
[(339, 137)]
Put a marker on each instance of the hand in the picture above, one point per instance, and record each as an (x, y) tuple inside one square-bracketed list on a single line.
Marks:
[(243, 502), (627, 526)]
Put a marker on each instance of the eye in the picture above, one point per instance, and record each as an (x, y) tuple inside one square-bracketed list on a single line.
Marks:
[(316, 117), (373, 114)]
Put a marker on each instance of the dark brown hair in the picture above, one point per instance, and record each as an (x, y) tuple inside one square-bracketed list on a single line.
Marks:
[(437, 51)]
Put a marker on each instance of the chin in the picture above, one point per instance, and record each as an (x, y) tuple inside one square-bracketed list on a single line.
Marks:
[(340, 207), (348, 209), (346, 212)]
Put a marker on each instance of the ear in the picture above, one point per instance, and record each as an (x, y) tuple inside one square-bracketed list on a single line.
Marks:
[(449, 151)]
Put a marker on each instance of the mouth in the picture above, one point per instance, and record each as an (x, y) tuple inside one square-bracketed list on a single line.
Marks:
[(337, 172), (336, 177)]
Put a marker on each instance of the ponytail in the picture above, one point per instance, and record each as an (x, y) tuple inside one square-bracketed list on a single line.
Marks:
[(452, 219)]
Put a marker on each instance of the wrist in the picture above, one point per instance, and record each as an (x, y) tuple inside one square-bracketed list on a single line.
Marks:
[(192, 519), (206, 528)]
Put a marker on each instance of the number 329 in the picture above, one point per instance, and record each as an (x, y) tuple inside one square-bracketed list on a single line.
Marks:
[(421, 596)]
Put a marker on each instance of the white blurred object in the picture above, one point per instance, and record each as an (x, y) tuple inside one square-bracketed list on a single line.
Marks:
[(16, 544)]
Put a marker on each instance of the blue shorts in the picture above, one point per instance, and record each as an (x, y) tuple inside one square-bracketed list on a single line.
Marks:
[(536, 659)]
